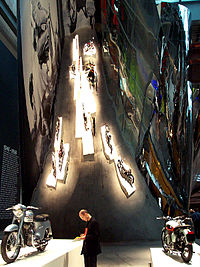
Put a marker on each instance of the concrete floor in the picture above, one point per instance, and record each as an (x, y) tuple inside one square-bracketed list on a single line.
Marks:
[(127, 254)]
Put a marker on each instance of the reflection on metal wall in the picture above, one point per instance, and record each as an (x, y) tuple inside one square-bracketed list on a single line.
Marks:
[(152, 60), (132, 37), (171, 126)]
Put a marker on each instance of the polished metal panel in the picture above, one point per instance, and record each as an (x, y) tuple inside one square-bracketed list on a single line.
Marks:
[(170, 131), (155, 92)]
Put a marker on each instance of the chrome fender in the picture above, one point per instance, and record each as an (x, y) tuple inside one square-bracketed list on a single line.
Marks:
[(12, 227)]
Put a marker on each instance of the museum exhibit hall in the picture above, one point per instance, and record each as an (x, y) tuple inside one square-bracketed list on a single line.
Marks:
[(100, 113)]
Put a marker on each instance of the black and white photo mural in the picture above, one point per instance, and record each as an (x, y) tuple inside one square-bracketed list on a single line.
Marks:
[(78, 14), (40, 52)]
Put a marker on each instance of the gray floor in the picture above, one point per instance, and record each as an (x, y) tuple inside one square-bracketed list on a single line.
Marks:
[(127, 254)]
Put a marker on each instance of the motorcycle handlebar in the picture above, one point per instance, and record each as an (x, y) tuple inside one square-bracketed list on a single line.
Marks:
[(179, 217), (20, 206), (171, 218), (163, 218), (32, 208), (9, 208)]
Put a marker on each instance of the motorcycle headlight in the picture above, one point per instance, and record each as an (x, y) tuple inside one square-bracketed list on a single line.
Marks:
[(18, 212)]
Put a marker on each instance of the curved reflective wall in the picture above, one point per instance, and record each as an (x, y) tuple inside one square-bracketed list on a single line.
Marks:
[(149, 44), (169, 137)]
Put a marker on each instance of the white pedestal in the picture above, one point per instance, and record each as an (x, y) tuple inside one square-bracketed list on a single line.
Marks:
[(107, 151), (59, 252), (60, 174), (126, 187), (87, 141), (51, 180), (159, 258)]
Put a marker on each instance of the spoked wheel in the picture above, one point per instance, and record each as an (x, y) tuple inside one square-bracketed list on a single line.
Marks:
[(164, 241), (72, 8), (187, 252), (131, 179), (9, 248)]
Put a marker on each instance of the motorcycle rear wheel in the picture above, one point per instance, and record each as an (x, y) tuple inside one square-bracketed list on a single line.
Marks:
[(186, 254), (164, 241), (9, 248), (41, 248)]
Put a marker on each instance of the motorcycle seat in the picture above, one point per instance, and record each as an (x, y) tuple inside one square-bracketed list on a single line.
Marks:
[(182, 226), (41, 217)]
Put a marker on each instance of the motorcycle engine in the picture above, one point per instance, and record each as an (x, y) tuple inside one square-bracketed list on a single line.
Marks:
[(28, 232), (179, 241)]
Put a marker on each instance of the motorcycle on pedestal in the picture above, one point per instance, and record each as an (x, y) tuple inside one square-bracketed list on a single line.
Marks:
[(177, 236), (25, 230), (125, 173)]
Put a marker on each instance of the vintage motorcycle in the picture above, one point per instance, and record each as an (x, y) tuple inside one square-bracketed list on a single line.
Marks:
[(25, 230), (177, 236), (125, 172), (89, 48), (108, 139)]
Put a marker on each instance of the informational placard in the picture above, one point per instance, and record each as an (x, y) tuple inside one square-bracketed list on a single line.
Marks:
[(9, 188)]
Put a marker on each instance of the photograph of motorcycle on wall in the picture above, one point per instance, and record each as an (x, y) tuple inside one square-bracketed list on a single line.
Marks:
[(177, 236), (75, 6), (25, 230)]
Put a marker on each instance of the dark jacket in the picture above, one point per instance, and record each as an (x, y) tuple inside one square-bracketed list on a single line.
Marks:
[(91, 244), (196, 221)]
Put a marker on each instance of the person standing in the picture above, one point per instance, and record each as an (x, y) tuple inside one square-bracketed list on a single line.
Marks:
[(196, 220), (91, 244)]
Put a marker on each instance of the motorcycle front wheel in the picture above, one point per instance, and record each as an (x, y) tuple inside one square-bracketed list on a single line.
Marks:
[(164, 241), (9, 248), (186, 254)]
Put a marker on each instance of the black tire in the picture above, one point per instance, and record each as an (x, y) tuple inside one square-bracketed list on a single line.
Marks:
[(41, 248), (72, 9), (164, 240), (131, 177), (8, 244), (96, 84), (186, 254)]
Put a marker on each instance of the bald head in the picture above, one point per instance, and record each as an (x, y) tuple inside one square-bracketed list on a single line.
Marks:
[(84, 215)]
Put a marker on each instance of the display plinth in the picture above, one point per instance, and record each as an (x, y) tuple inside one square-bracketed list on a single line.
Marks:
[(59, 252), (159, 258)]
